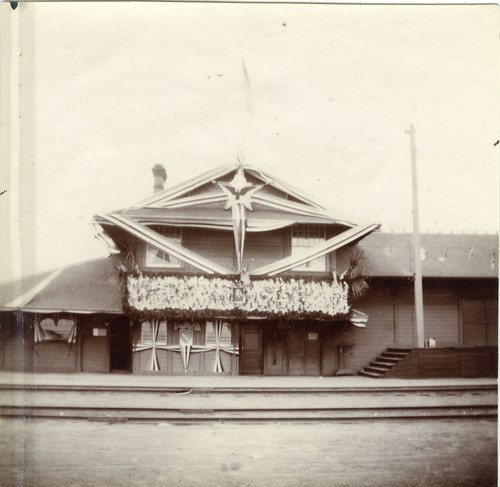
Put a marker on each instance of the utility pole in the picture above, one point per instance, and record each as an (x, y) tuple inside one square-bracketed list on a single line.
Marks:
[(417, 283)]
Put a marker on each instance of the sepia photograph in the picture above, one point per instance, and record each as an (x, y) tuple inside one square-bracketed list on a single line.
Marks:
[(249, 244)]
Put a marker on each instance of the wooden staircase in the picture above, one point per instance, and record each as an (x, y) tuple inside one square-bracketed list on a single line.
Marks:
[(385, 362)]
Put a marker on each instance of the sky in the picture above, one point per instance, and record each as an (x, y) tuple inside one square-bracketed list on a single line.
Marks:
[(320, 96)]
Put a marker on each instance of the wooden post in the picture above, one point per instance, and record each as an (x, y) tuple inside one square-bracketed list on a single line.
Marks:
[(417, 283), (79, 337)]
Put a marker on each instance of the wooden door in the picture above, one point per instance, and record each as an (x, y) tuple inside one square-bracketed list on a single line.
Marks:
[(295, 344), (312, 343), (304, 351), (95, 353), (251, 350), (479, 322), (275, 352)]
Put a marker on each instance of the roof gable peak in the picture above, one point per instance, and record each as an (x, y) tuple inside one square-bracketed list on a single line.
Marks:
[(239, 178)]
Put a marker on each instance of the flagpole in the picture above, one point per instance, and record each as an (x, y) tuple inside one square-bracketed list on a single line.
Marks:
[(417, 283)]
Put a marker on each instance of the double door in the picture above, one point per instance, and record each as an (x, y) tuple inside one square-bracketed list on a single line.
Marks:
[(268, 350)]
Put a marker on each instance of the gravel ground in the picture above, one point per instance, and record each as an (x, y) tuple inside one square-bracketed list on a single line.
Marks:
[(366, 453)]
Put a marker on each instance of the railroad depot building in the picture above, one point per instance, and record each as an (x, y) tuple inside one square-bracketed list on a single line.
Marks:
[(235, 272)]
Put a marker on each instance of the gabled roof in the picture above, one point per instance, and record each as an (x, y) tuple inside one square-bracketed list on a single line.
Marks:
[(201, 195), (443, 255), (237, 198), (221, 172), (88, 287)]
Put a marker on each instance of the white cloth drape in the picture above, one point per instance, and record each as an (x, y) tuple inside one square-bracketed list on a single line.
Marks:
[(153, 364)]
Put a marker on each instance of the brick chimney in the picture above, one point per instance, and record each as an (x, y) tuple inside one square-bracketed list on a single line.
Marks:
[(160, 176)]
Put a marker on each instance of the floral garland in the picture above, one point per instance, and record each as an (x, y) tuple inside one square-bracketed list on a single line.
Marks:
[(192, 296)]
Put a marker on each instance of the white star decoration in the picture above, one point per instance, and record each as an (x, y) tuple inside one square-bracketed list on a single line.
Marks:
[(239, 198)]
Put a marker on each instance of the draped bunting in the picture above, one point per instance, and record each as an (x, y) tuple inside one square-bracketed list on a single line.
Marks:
[(40, 335), (38, 331), (154, 345), (72, 334), (218, 327), (185, 346)]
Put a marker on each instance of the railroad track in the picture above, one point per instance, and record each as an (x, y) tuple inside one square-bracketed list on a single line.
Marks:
[(480, 388), (243, 404), (248, 415)]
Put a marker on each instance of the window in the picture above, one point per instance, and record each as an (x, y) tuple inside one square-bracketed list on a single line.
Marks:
[(224, 329), (48, 331), (159, 258), (303, 238), (157, 329)]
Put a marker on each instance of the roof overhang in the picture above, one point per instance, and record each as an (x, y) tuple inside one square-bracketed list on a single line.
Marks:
[(151, 237), (288, 263)]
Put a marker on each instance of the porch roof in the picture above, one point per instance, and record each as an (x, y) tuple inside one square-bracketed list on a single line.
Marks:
[(88, 287)]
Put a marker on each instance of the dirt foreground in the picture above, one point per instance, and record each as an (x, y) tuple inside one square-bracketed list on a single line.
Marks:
[(429, 453)]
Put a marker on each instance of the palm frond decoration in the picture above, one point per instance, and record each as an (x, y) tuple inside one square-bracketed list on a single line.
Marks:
[(356, 276), (130, 259)]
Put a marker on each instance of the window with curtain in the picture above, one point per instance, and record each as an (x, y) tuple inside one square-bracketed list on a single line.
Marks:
[(49, 330), (150, 330), (210, 330)]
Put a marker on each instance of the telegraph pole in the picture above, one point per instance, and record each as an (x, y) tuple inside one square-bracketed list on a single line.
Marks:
[(417, 283)]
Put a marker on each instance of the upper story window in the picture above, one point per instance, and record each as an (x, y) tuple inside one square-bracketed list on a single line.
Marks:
[(159, 258), (303, 238)]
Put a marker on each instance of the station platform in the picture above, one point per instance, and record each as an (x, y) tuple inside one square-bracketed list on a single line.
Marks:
[(234, 382)]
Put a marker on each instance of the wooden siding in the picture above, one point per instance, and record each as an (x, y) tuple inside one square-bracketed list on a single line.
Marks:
[(218, 246), (448, 362), (17, 355), (367, 343), (404, 310), (441, 315), (13, 354), (16, 344), (478, 288), (441, 318), (264, 248), (215, 245), (328, 352), (479, 319), (55, 357)]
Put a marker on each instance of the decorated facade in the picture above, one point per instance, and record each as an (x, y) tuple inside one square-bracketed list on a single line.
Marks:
[(236, 272)]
